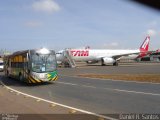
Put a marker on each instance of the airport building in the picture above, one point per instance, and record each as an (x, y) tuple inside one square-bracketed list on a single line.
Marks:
[(152, 57)]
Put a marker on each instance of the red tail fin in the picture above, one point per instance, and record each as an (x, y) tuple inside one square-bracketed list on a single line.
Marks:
[(144, 47)]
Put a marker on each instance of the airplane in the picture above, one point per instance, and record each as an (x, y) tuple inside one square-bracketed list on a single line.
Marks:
[(105, 56)]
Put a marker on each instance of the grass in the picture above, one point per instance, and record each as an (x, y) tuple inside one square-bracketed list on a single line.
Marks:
[(154, 78)]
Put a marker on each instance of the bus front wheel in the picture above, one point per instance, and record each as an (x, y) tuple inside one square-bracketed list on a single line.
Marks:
[(20, 77)]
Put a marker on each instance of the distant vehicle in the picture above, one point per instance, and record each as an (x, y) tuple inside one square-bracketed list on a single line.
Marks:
[(1, 65), (105, 56), (32, 66)]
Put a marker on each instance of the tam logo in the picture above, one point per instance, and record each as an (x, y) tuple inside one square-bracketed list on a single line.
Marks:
[(80, 52)]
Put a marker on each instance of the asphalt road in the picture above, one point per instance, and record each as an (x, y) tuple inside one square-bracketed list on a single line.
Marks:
[(98, 96)]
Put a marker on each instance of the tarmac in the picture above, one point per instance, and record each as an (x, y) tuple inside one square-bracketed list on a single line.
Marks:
[(16, 106)]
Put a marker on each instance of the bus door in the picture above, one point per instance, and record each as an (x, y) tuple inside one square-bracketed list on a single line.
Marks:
[(25, 66), (9, 67)]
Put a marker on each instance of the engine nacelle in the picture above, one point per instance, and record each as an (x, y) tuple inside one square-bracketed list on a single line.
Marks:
[(107, 60), (91, 62)]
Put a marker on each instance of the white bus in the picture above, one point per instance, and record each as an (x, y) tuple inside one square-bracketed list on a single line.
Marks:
[(32, 66)]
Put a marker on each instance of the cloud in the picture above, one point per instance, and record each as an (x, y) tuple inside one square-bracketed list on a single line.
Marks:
[(151, 32), (48, 6), (33, 24), (111, 45)]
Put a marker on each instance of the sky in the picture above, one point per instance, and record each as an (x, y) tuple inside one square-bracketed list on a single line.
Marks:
[(59, 24)]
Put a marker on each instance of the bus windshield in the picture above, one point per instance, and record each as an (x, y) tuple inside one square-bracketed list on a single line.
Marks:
[(1, 63), (43, 62)]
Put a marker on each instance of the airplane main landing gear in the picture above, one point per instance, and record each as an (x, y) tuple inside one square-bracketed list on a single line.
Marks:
[(102, 62), (115, 63)]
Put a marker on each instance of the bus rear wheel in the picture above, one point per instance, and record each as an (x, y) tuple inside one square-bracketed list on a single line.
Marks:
[(7, 73)]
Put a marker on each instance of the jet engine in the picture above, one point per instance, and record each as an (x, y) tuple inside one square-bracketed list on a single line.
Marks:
[(91, 62), (107, 60)]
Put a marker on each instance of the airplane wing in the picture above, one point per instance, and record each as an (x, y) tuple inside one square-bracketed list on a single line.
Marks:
[(117, 57)]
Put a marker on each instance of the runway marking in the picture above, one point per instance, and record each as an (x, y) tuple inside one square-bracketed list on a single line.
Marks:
[(111, 89), (62, 105), (76, 84), (66, 83), (89, 86), (136, 92)]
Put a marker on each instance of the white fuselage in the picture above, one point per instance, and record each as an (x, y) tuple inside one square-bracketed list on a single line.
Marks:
[(96, 54)]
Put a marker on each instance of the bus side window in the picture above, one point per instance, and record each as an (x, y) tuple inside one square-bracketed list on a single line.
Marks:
[(26, 64)]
